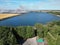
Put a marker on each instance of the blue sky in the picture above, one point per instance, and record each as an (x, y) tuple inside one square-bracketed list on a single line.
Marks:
[(30, 4)]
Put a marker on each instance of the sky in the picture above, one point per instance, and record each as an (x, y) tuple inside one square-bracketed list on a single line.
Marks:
[(30, 4)]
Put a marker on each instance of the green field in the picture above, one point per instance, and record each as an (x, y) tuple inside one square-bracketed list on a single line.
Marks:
[(56, 13)]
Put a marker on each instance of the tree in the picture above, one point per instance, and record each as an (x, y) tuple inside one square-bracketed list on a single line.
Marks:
[(40, 31), (29, 32)]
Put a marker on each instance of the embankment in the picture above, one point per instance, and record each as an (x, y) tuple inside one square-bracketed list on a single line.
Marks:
[(5, 16)]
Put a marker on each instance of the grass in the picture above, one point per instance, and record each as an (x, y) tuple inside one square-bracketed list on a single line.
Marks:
[(3, 16), (56, 13), (51, 41)]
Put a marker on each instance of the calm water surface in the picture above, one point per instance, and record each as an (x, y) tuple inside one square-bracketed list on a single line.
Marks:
[(29, 19)]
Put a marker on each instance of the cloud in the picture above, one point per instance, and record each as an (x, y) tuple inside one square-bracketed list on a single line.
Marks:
[(43, 5), (32, 4)]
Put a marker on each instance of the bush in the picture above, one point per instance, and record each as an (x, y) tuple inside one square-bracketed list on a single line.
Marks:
[(6, 36)]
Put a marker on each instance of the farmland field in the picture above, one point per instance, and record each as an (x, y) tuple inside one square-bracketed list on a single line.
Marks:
[(2, 16)]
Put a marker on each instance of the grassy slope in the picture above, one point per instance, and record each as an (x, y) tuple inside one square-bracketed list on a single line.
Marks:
[(2, 16)]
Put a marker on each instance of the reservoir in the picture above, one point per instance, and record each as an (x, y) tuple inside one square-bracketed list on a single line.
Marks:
[(29, 19)]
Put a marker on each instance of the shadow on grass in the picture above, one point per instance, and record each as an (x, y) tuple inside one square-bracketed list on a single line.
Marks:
[(20, 40)]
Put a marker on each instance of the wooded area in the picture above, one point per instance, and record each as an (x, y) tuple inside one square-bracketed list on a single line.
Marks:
[(16, 35)]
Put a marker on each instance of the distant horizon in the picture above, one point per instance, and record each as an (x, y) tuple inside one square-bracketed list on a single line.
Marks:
[(30, 4), (30, 10)]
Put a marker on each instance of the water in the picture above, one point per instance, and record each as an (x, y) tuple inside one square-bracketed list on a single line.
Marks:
[(29, 19)]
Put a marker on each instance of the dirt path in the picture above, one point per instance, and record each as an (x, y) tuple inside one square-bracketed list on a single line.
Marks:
[(51, 36)]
